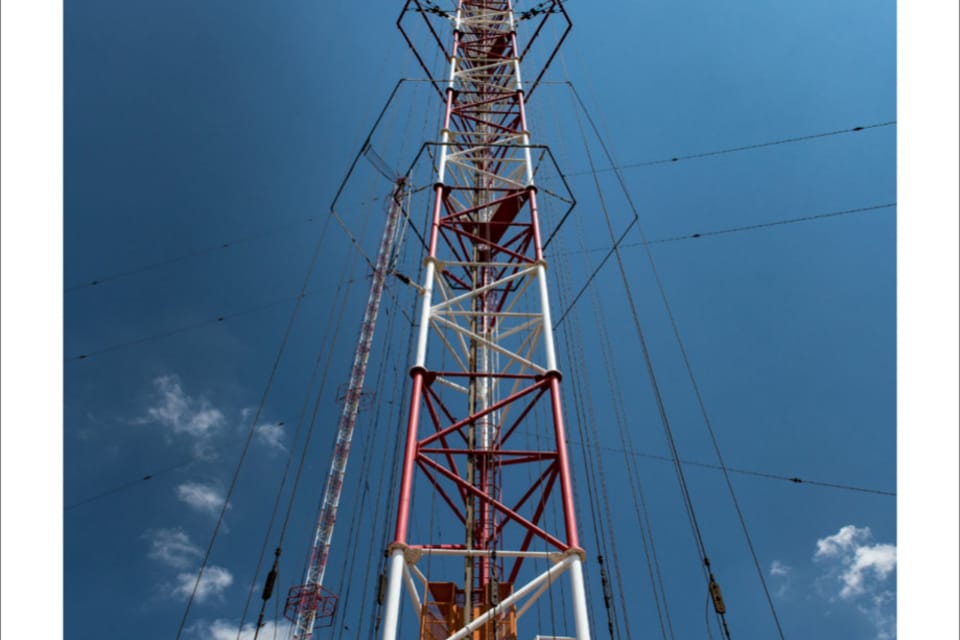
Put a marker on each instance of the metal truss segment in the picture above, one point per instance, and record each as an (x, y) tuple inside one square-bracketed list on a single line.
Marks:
[(485, 357), (493, 502), (492, 345)]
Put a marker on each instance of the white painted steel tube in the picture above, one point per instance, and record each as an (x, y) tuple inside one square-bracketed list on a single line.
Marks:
[(529, 603), (528, 159), (547, 321), (424, 328), (512, 599), (579, 599), (411, 588), (392, 606), (442, 163), (483, 289)]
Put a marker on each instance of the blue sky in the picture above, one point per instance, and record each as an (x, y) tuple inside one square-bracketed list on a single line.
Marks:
[(196, 125)]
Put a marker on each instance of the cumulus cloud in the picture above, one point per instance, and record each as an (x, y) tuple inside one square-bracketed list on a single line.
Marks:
[(271, 434), (855, 562), (876, 561), (201, 497), (214, 581), (781, 578), (180, 412), (173, 548), (842, 541), (225, 630), (881, 610), (861, 569)]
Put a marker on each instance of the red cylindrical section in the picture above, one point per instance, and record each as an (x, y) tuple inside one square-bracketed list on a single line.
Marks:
[(409, 457), (566, 487), (435, 225), (449, 109)]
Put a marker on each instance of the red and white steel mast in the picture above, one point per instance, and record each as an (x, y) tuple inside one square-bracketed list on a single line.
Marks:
[(485, 361), (310, 603)]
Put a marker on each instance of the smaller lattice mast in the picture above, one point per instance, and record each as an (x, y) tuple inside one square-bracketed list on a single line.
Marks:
[(310, 604)]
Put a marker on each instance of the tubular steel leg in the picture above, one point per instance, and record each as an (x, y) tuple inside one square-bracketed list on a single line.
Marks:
[(579, 599), (391, 607)]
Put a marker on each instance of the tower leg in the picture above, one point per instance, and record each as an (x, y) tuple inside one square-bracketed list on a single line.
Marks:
[(392, 605), (579, 600)]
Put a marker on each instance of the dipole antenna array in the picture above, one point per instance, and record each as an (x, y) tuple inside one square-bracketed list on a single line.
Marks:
[(485, 358), (311, 604)]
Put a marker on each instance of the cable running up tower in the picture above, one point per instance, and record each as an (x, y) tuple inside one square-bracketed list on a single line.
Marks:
[(485, 359)]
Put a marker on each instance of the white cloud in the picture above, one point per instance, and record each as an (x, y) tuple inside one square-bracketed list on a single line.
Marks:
[(225, 630), (213, 583), (881, 611), (181, 413), (878, 560), (782, 580), (272, 434), (201, 497), (173, 548), (861, 570), (841, 541)]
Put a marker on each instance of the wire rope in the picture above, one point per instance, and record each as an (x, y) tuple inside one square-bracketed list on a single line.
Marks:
[(647, 551), (738, 149), (404, 382), (316, 407), (357, 244), (194, 325), (213, 248), (376, 421), (633, 223), (349, 559), (363, 474), (345, 278), (253, 424), (547, 217), (760, 474), (228, 244), (127, 485), (574, 339), (399, 391), (664, 419), (596, 463), (793, 479), (399, 387), (575, 356), (766, 225), (750, 227), (633, 475), (693, 381), (380, 384), (369, 437)]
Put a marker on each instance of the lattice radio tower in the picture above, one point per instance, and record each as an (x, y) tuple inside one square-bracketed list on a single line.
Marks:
[(485, 357)]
